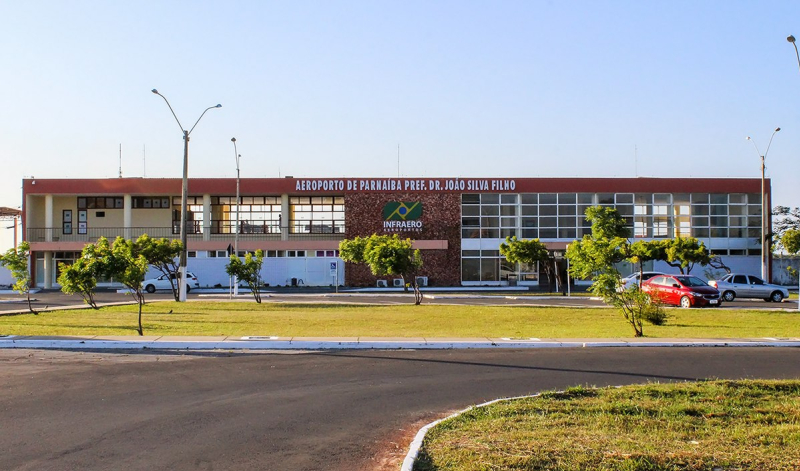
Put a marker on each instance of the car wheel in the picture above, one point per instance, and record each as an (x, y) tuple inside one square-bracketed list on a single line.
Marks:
[(150, 288), (776, 297), (728, 296), (686, 303), (188, 288)]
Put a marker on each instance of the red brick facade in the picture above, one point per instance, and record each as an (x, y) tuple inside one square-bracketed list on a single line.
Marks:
[(441, 220)]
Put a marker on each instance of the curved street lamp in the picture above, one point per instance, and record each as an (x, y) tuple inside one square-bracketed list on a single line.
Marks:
[(184, 193), (764, 208), (237, 156), (791, 39)]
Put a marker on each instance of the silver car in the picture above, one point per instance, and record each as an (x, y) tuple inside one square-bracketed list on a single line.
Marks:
[(739, 285)]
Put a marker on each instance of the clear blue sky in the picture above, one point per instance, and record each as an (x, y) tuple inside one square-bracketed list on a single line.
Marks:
[(466, 88)]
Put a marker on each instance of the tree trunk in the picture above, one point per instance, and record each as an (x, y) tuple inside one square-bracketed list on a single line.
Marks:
[(30, 307), (417, 293), (141, 301)]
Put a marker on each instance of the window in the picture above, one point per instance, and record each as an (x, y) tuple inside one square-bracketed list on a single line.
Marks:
[(156, 202), (316, 214), (256, 215), (100, 202)]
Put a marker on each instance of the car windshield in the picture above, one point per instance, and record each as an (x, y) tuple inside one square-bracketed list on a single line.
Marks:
[(691, 281)]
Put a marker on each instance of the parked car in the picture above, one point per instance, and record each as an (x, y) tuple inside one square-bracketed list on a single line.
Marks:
[(681, 290), (162, 282), (738, 285), (633, 279)]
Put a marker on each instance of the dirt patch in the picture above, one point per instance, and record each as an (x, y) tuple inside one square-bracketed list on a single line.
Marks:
[(396, 445)]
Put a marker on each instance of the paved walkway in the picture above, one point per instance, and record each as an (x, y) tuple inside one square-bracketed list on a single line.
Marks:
[(316, 343)]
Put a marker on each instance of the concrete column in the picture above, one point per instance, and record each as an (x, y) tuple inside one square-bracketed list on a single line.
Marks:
[(48, 218), (206, 217), (49, 269), (127, 215), (285, 217), (28, 218)]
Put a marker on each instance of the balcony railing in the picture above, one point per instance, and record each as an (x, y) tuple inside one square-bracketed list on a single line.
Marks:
[(194, 232)]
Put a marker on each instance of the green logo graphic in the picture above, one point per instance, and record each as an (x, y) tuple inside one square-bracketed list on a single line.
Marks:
[(402, 211)]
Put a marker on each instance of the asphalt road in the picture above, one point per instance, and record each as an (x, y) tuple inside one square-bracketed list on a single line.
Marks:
[(344, 410)]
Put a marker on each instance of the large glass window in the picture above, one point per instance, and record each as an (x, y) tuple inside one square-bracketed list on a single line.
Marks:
[(194, 215), (316, 214), (257, 214)]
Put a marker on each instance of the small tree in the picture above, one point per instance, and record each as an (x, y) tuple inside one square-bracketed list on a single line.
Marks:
[(529, 252), (684, 252), (162, 254), (385, 255), (248, 271), (643, 251), (596, 255), (79, 278), (790, 240), (17, 262), (129, 267)]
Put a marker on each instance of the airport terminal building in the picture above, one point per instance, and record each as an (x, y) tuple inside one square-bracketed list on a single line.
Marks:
[(457, 223)]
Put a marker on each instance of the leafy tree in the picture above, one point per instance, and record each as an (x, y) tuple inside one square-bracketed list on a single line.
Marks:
[(643, 251), (17, 262), (684, 252), (595, 256), (126, 265), (162, 254), (790, 240), (529, 252), (385, 255), (785, 219), (248, 271), (80, 278), (352, 250)]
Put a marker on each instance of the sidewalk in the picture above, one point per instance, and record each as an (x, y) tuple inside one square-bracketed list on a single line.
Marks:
[(315, 343)]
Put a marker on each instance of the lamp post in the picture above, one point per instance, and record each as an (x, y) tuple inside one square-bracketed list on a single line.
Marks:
[(764, 208), (791, 39), (236, 233), (184, 194)]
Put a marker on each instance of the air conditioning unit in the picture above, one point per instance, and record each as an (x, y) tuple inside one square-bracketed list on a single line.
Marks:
[(382, 284), (398, 282), (422, 281)]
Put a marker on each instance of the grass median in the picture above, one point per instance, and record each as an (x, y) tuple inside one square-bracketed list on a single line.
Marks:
[(716, 425), (429, 321)]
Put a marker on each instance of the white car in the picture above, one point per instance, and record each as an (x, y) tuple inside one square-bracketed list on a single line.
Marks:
[(739, 285), (633, 279), (162, 282)]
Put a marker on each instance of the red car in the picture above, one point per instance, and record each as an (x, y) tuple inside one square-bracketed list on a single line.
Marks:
[(681, 290)]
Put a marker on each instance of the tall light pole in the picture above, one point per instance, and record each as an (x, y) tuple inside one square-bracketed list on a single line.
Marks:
[(791, 39), (184, 194), (765, 250), (236, 233)]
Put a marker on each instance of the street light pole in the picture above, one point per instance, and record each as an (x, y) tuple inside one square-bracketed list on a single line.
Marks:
[(791, 39), (765, 249), (184, 195), (236, 233)]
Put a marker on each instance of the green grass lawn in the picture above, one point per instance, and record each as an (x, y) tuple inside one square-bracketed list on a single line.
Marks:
[(430, 321), (718, 425)]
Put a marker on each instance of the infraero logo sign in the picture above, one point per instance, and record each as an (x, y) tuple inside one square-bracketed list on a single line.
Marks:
[(402, 216)]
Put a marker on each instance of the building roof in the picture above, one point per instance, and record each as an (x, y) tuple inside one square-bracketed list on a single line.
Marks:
[(339, 186), (9, 213)]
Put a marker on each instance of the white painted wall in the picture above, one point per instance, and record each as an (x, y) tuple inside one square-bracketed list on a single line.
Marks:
[(309, 271), (5, 277)]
